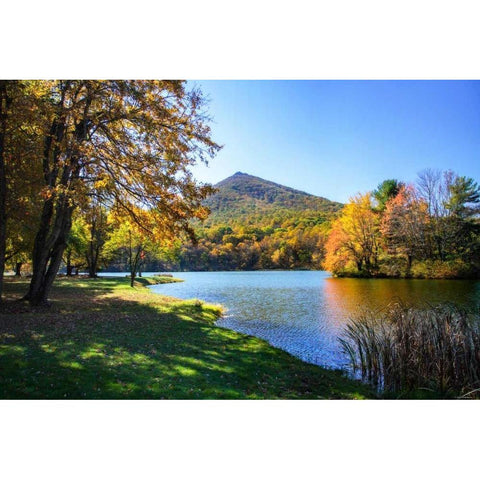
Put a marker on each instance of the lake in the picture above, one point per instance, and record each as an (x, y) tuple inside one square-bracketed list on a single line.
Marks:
[(304, 312)]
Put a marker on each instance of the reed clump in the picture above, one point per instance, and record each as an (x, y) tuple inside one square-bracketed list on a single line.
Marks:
[(404, 349)]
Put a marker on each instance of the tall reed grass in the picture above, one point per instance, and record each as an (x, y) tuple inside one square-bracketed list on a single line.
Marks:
[(404, 349)]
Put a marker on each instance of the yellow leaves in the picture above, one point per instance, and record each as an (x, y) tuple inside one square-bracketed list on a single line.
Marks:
[(100, 184), (201, 213), (139, 227), (355, 236), (129, 143)]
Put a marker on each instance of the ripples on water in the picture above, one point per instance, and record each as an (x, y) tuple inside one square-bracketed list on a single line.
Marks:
[(304, 312)]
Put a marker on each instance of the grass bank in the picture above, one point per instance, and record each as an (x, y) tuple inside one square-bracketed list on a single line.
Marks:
[(102, 339)]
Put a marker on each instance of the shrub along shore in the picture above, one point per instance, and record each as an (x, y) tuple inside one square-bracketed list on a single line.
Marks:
[(102, 339)]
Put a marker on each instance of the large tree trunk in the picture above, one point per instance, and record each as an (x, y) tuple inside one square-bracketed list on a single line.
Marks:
[(50, 243), (61, 169), (18, 269), (47, 257), (47, 236), (92, 256), (133, 259), (68, 264), (44, 272)]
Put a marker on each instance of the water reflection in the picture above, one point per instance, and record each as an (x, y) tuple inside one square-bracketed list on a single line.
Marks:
[(304, 312), (351, 296)]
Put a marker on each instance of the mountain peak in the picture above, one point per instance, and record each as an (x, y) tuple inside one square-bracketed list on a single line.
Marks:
[(254, 186), (243, 196)]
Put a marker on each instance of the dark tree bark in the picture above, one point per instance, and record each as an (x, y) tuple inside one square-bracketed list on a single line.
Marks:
[(61, 168), (409, 256), (92, 257), (68, 263), (50, 239), (134, 259), (91, 261), (47, 253), (18, 269)]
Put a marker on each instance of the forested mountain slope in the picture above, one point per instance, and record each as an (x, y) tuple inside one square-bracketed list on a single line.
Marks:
[(243, 199), (253, 224), (257, 224)]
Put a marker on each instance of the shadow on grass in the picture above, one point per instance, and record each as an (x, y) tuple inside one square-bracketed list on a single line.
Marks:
[(124, 348)]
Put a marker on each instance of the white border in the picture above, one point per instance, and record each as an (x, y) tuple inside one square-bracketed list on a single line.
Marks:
[(239, 40)]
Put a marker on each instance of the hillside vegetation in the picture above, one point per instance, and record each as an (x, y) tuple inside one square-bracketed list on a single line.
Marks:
[(255, 224), (244, 199)]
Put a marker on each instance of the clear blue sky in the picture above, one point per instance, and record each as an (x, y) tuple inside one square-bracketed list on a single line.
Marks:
[(337, 138)]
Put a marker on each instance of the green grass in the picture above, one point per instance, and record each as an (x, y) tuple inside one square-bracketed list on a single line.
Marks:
[(101, 339)]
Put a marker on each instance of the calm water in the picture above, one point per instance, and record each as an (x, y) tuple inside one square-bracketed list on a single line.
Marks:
[(304, 312)]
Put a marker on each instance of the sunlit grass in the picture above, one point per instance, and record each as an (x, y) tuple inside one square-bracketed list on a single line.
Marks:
[(103, 339)]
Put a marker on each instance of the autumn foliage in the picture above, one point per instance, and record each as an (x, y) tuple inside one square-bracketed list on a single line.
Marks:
[(354, 240), (126, 144), (428, 230)]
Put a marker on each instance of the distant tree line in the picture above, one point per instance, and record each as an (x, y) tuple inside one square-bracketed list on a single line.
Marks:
[(429, 229), (235, 248), (253, 248)]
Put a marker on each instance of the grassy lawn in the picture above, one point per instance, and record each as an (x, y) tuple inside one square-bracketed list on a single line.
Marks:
[(102, 339)]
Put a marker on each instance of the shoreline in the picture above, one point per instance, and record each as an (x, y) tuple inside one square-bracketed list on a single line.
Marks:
[(332, 275), (221, 316)]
